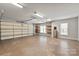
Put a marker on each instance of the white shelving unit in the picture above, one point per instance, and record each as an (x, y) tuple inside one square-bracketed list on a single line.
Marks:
[(6, 30), (11, 30)]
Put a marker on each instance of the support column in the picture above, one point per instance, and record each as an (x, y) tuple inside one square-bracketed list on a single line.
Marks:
[(0, 29), (78, 28), (52, 30)]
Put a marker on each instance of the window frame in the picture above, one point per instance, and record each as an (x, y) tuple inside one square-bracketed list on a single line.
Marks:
[(64, 29)]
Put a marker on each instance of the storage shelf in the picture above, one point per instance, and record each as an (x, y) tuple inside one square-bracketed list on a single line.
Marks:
[(14, 29), (48, 28)]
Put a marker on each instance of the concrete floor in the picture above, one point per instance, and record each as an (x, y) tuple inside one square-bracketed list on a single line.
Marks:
[(39, 46)]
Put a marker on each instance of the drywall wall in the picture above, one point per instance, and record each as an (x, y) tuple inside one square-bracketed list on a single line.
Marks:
[(72, 28)]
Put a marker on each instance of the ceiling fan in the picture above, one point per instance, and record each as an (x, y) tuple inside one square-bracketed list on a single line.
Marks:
[(38, 15), (35, 15)]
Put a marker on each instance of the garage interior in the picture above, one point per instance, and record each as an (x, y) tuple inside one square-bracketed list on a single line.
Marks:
[(39, 29)]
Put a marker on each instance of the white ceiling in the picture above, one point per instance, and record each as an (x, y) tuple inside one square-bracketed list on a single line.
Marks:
[(53, 11)]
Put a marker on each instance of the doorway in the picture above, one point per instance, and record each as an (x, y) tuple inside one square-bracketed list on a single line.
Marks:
[(43, 29)]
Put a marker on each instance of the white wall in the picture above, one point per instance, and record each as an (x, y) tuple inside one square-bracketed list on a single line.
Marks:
[(72, 28)]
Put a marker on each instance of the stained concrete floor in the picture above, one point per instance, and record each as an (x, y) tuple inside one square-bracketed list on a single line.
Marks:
[(39, 46)]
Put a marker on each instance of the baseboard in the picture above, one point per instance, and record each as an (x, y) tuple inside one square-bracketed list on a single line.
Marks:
[(69, 38), (18, 37)]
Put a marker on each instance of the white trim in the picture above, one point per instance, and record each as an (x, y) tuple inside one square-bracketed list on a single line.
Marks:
[(70, 38)]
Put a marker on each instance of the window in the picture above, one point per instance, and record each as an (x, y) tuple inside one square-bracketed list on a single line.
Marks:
[(42, 29), (64, 29)]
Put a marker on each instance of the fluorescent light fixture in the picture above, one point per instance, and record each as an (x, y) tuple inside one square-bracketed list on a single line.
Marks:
[(38, 15), (16, 4)]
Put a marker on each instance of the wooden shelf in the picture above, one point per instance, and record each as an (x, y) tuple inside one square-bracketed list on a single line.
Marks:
[(48, 28)]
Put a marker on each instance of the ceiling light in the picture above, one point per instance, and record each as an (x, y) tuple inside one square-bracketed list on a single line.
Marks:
[(16, 4)]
